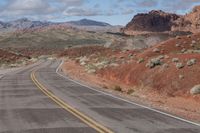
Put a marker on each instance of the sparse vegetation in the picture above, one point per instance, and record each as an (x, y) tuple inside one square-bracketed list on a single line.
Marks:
[(191, 62), (154, 62), (130, 91), (140, 60), (175, 60), (179, 65), (117, 88)]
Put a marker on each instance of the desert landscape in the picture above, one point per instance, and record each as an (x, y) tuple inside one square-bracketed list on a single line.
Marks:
[(164, 74), (153, 61)]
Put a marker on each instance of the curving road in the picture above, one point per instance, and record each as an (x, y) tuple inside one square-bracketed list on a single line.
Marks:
[(39, 99)]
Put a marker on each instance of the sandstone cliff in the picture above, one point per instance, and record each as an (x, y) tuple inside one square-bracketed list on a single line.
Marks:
[(188, 22), (154, 21)]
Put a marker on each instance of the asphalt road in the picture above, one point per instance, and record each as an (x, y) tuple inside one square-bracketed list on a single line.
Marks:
[(24, 108)]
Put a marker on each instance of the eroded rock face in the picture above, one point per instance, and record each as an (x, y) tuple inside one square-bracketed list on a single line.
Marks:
[(154, 21), (189, 22), (159, 21)]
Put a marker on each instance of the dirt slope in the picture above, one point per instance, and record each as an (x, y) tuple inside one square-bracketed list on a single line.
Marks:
[(164, 78), (10, 57)]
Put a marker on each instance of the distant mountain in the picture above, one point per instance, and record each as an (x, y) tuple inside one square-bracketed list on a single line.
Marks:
[(2, 25), (83, 24), (25, 23), (87, 22), (21, 24)]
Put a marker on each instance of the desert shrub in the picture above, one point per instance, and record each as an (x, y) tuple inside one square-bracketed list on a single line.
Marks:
[(105, 87), (140, 60), (130, 91), (117, 88)]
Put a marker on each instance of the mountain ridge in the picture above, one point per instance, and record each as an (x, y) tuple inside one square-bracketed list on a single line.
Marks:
[(27, 24), (88, 22)]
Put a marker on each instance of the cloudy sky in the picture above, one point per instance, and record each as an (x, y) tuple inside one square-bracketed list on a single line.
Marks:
[(117, 12)]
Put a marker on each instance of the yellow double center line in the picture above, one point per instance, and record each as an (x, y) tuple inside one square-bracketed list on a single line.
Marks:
[(90, 122)]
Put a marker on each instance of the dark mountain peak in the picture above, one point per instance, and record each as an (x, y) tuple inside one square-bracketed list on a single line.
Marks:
[(88, 22), (85, 19)]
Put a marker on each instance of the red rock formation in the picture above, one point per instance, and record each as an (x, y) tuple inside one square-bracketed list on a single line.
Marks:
[(154, 21)]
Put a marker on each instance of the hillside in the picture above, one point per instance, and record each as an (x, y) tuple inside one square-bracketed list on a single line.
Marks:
[(50, 38), (10, 58), (56, 38), (166, 74)]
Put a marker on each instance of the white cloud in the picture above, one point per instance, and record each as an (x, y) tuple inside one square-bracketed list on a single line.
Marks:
[(71, 2), (49, 9), (80, 12), (21, 8), (27, 5), (127, 11)]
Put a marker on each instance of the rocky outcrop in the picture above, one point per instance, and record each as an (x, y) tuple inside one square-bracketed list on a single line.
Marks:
[(189, 22), (159, 21), (154, 21)]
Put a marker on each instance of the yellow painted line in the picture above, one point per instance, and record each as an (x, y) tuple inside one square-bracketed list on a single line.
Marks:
[(87, 120)]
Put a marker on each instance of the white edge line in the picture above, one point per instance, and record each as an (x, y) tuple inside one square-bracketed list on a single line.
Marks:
[(143, 106)]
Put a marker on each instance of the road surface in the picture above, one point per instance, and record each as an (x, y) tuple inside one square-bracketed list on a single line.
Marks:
[(38, 99)]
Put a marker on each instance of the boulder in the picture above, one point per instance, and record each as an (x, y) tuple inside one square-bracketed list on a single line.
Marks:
[(193, 42), (195, 90), (177, 45), (156, 50)]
